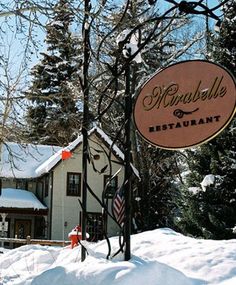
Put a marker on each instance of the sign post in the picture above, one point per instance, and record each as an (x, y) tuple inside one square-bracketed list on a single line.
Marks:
[(85, 124), (127, 161)]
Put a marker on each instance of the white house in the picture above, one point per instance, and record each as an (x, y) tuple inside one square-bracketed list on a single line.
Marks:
[(41, 191)]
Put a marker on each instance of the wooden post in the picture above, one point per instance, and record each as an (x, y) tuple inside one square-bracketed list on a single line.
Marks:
[(28, 240)]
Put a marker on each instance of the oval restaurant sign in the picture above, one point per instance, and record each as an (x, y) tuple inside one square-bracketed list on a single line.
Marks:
[(185, 104)]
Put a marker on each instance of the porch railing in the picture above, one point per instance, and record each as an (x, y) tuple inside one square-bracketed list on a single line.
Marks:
[(28, 240)]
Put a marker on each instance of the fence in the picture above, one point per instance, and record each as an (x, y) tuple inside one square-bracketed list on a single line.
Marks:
[(28, 240)]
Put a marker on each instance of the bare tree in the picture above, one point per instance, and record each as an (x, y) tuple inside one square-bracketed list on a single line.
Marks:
[(115, 37)]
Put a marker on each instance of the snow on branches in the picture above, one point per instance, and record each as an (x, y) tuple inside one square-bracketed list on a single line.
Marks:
[(130, 41)]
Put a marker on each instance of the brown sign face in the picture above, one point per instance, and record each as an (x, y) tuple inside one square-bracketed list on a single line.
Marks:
[(185, 104)]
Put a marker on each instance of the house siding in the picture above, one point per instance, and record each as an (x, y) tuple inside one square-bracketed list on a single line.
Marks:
[(64, 212), (66, 209)]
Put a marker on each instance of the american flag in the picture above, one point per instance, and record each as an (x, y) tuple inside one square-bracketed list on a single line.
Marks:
[(119, 206)]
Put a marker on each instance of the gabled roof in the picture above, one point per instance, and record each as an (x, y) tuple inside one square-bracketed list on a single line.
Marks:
[(22, 160), (38, 160)]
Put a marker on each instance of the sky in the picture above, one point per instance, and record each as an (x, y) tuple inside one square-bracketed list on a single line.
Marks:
[(13, 42), (159, 257)]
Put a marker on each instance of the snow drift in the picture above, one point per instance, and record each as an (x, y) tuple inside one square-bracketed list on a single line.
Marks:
[(159, 257)]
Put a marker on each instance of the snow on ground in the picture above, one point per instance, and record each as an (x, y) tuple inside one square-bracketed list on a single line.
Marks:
[(159, 257)]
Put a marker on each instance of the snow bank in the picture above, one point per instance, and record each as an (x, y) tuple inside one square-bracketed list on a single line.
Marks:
[(159, 257)]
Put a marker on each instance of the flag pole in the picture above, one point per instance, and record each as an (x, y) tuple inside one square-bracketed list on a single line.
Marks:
[(127, 161)]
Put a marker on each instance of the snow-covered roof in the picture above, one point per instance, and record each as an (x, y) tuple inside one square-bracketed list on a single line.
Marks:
[(115, 148), (22, 160), (53, 160), (17, 198), (29, 161), (109, 142)]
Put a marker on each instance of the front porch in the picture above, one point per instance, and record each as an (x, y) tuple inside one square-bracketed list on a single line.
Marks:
[(22, 215)]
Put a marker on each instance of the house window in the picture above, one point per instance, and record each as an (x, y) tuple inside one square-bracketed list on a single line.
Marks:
[(5, 229), (21, 184), (46, 185), (95, 226), (73, 184), (40, 227), (111, 187)]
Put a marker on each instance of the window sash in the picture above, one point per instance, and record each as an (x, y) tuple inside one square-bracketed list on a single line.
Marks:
[(46, 186), (95, 226), (73, 184), (112, 187)]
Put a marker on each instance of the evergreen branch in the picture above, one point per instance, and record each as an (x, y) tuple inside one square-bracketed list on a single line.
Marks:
[(114, 29)]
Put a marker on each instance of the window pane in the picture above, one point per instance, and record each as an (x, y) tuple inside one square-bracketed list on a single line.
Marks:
[(46, 185), (95, 226), (112, 187), (73, 184)]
